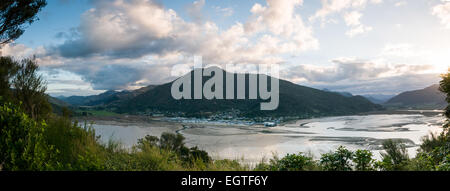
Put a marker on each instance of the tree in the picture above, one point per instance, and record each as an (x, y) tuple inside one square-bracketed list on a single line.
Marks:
[(8, 69), (396, 156), (293, 162), (363, 160), (14, 14), (29, 88), (173, 142), (338, 160), (445, 87)]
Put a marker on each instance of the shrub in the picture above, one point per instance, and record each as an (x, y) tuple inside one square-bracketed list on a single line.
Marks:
[(340, 160), (175, 143), (395, 158), (22, 142), (78, 146), (363, 160), (291, 162)]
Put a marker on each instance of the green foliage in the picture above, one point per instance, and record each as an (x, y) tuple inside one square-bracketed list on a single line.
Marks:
[(8, 69), (78, 146), (291, 162), (363, 160), (227, 165), (422, 162), (445, 87), (149, 157), (29, 88), (340, 160), (14, 14), (21, 84), (170, 141), (22, 142), (175, 143), (395, 157)]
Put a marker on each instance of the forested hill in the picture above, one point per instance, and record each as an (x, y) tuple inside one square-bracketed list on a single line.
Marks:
[(294, 100)]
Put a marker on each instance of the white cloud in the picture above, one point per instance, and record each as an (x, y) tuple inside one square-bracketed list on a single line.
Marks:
[(132, 38), (351, 16), (400, 3), (442, 11), (335, 6), (279, 18), (226, 12), (195, 10), (362, 76), (20, 51), (360, 29), (352, 19), (348, 68)]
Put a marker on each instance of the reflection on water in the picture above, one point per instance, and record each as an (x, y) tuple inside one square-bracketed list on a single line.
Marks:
[(315, 136)]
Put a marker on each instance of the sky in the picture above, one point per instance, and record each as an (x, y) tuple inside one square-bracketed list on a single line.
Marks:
[(364, 47)]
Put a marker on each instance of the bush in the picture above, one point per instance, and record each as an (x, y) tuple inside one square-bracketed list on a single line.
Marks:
[(363, 160), (395, 158), (291, 162), (175, 143), (22, 142), (78, 146), (339, 160)]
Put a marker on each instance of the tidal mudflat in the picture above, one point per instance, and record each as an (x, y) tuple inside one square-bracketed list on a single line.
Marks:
[(255, 142)]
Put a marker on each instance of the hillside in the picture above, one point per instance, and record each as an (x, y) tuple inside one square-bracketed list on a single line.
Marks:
[(428, 98), (295, 100), (107, 98)]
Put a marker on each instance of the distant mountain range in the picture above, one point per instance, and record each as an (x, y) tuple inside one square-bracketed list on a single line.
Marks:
[(295, 100), (378, 98), (428, 98), (107, 98), (374, 98)]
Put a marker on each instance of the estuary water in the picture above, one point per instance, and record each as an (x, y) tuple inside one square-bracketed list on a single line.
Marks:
[(252, 143)]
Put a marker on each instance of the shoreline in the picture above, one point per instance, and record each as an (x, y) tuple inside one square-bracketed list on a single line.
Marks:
[(142, 119)]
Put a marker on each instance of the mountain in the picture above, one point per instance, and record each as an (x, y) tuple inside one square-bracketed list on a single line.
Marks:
[(57, 104), (374, 100), (428, 98), (294, 100), (346, 94), (378, 98), (107, 98)]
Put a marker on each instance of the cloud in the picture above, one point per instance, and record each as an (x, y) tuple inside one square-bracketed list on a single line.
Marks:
[(226, 12), (352, 19), (388, 86), (400, 3), (140, 27), (442, 11), (336, 6), (351, 16), (360, 29), (195, 10), (363, 76), (127, 43), (19, 51), (279, 18), (343, 69)]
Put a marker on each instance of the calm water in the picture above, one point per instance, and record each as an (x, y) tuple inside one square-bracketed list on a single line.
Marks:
[(316, 136)]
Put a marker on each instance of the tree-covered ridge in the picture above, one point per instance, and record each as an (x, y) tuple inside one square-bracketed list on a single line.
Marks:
[(295, 100)]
